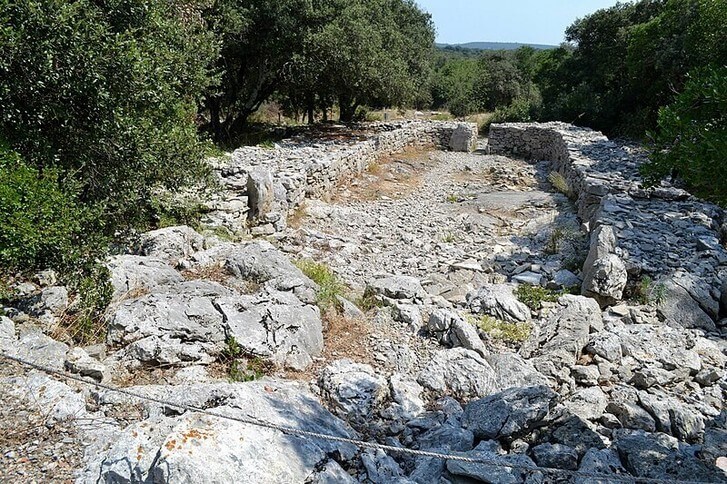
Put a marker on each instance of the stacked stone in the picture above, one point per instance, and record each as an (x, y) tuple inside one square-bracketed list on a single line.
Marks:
[(302, 170), (662, 233)]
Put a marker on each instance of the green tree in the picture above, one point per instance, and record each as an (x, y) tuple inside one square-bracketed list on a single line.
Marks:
[(105, 92), (499, 82), (690, 141), (259, 40), (362, 52)]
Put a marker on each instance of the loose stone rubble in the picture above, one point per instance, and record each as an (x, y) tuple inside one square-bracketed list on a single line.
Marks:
[(624, 378)]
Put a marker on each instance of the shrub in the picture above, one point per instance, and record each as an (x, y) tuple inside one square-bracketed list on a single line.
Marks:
[(534, 296), (85, 321), (242, 367), (105, 92), (504, 331), (42, 224), (560, 183), (690, 142)]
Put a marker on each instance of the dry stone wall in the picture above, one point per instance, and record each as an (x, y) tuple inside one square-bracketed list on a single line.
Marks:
[(270, 183), (662, 234)]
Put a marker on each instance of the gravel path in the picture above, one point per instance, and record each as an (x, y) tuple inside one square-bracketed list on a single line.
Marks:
[(428, 214)]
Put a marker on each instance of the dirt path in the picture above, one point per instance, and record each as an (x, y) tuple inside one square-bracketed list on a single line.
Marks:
[(433, 214)]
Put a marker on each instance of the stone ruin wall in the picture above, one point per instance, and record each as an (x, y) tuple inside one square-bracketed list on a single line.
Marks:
[(263, 186), (661, 234)]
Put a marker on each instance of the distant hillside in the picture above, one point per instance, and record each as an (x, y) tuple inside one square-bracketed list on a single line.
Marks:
[(494, 46)]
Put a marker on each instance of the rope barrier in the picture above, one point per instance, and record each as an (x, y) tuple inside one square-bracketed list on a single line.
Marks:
[(343, 440)]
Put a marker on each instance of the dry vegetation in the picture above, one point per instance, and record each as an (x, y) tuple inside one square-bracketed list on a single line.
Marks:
[(394, 176)]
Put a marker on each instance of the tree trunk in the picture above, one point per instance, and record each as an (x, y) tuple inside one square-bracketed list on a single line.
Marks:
[(215, 126), (348, 108), (311, 107)]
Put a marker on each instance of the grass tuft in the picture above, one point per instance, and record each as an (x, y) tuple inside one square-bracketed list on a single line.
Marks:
[(534, 296), (560, 183), (503, 331), (329, 286)]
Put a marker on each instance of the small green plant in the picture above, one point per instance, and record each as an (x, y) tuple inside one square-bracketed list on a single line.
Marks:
[(453, 198), (646, 292), (329, 286), (534, 296), (368, 301), (561, 235), (241, 367), (560, 183), (232, 349), (503, 331), (449, 238), (85, 322), (170, 210), (248, 369)]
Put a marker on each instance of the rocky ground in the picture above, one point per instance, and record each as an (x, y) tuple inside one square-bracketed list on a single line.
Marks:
[(470, 337)]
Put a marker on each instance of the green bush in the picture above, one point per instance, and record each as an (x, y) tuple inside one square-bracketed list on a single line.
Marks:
[(691, 139), (42, 224), (534, 296), (106, 92), (502, 330)]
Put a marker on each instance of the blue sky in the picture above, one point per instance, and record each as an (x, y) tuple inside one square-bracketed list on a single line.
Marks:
[(527, 21)]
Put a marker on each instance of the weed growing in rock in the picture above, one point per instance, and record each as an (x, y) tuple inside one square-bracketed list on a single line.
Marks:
[(243, 368), (559, 237), (449, 238), (560, 183), (329, 286), (83, 321), (453, 198), (534, 296), (504, 331), (646, 292), (368, 301)]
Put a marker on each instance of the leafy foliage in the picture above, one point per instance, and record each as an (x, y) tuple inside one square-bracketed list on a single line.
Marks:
[(504, 331), (691, 138), (534, 296), (105, 92), (625, 62), (42, 223)]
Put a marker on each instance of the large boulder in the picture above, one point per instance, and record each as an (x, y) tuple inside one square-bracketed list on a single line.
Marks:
[(260, 193), (174, 324), (56, 400), (133, 274), (500, 469), (464, 138), (512, 370), (200, 448), (459, 372), (676, 304), (354, 389), (274, 325), (498, 301), (171, 243), (452, 330), (510, 414), (397, 287), (562, 337), (660, 456), (604, 273)]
